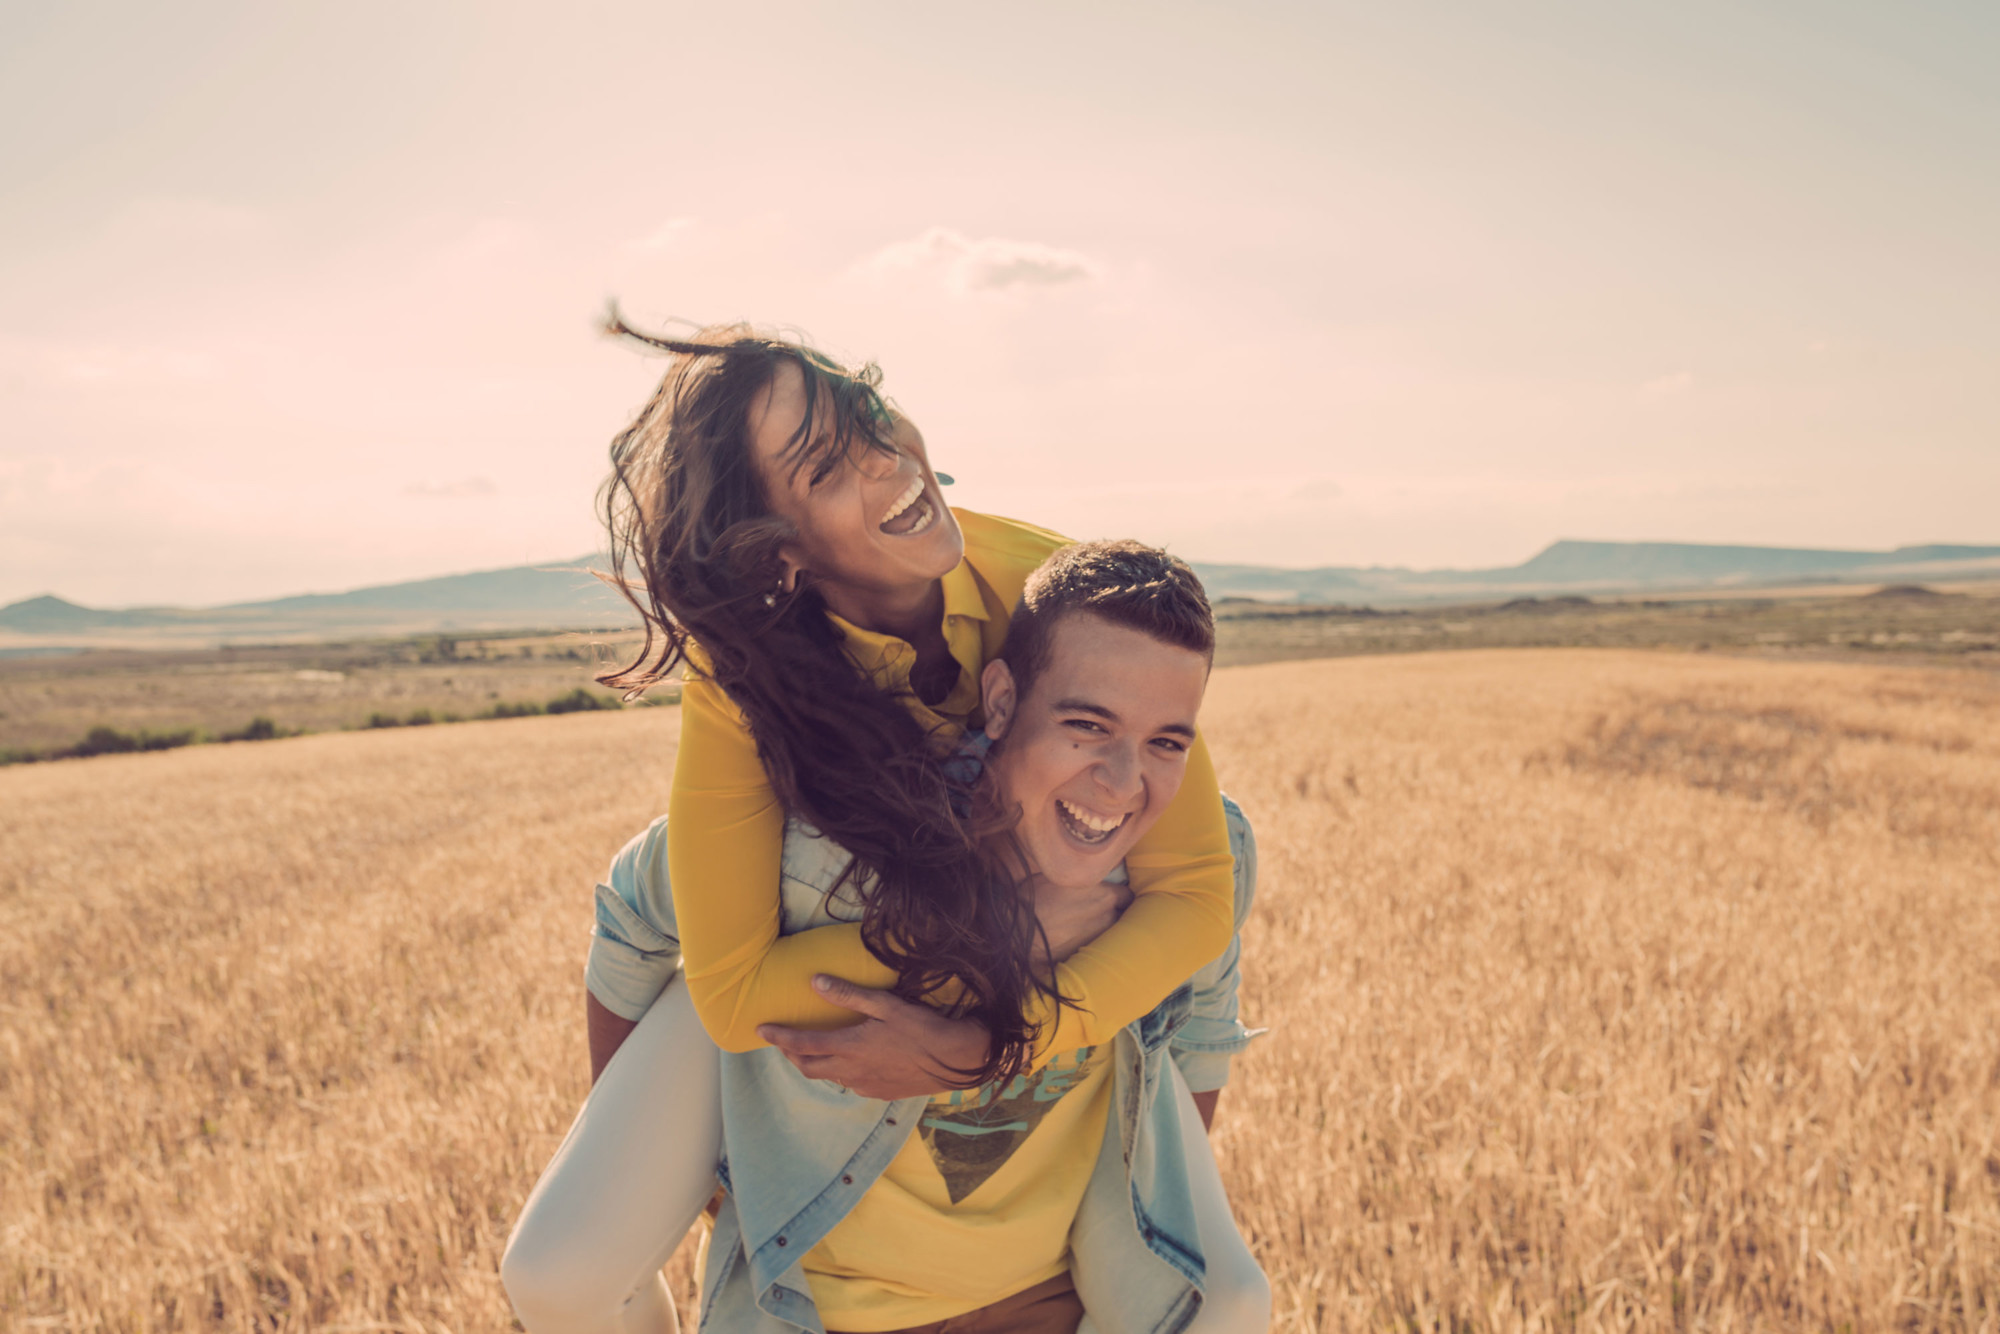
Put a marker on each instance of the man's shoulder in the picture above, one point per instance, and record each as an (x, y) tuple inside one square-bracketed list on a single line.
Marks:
[(643, 859)]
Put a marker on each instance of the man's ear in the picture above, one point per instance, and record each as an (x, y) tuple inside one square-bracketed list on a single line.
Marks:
[(998, 697)]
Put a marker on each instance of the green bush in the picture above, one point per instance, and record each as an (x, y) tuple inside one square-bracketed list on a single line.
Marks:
[(103, 740), (259, 729), (512, 711), (384, 720), (419, 718), (111, 741), (580, 700)]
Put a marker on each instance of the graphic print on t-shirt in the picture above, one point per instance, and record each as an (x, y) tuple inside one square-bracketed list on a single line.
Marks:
[(971, 1133)]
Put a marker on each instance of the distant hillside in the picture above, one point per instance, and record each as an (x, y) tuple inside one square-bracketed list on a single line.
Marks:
[(527, 597), (1607, 568), (52, 616), (565, 590), (1655, 562), (566, 596)]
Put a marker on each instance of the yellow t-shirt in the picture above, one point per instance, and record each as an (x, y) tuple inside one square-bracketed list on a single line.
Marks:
[(728, 835), (976, 1207)]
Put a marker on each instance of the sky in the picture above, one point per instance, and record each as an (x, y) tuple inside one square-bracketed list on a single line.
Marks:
[(305, 297)]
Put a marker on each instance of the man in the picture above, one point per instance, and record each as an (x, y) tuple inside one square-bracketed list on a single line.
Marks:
[(1086, 1183)]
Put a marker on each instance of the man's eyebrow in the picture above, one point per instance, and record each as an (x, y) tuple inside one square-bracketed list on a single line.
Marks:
[(1085, 706)]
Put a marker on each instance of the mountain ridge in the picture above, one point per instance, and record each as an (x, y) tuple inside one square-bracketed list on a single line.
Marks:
[(561, 596)]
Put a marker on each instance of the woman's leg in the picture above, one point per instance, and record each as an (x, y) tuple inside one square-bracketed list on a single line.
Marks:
[(1238, 1296), (628, 1182)]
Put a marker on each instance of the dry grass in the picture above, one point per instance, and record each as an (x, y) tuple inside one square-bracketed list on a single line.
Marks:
[(1621, 991), (291, 1027), (1609, 991)]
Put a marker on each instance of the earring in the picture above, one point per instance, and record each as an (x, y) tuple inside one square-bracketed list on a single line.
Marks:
[(770, 599), (944, 478)]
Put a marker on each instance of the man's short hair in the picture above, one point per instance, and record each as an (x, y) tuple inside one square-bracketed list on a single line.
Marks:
[(1125, 582)]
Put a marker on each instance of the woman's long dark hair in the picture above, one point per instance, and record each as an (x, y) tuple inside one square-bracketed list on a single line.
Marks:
[(688, 514)]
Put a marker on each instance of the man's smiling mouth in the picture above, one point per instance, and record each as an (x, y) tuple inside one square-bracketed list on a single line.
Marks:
[(1085, 827), (912, 513)]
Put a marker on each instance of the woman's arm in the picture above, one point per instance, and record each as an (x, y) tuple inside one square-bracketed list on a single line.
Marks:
[(723, 856)]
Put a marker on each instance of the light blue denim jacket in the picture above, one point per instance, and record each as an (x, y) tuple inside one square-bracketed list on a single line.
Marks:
[(798, 1153)]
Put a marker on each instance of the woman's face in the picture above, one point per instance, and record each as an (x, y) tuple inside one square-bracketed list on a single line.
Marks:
[(1097, 748), (875, 524)]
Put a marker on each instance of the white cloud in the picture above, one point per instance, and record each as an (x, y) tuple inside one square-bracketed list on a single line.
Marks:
[(984, 264), (661, 237), (465, 488)]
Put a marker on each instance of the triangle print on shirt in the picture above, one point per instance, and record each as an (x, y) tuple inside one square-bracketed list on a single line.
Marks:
[(971, 1133)]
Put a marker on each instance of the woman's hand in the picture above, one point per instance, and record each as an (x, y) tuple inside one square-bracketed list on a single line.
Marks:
[(1072, 918), (899, 1050)]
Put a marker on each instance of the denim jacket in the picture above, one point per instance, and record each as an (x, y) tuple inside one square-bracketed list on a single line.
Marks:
[(798, 1153)]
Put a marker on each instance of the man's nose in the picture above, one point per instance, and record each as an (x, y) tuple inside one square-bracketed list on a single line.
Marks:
[(1118, 772)]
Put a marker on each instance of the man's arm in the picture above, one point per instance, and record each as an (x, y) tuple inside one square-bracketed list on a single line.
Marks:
[(608, 1032), (1205, 1104), (1206, 1044)]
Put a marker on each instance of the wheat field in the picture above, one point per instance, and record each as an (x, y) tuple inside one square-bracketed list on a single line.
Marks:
[(1608, 990)]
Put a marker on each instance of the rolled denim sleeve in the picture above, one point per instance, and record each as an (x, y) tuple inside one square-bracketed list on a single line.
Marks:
[(1214, 1032), (635, 941)]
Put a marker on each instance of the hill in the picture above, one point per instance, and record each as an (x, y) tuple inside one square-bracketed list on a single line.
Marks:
[(565, 592), (567, 596), (1605, 568)]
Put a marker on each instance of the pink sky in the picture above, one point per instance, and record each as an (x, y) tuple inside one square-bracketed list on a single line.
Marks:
[(302, 297)]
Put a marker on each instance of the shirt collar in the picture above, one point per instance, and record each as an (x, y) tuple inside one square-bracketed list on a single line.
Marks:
[(963, 595), (963, 599)]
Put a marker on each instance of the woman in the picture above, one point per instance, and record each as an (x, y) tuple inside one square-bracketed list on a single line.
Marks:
[(835, 617)]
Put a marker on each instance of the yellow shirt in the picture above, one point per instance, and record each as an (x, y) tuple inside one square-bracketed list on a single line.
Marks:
[(728, 834), (975, 1207)]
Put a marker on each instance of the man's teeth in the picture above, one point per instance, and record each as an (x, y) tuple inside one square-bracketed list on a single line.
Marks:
[(907, 499), (1096, 824)]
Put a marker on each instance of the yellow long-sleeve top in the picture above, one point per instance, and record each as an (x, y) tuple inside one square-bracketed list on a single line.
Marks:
[(728, 832)]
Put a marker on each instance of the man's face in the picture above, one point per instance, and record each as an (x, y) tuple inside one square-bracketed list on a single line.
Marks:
[(1098, 746)]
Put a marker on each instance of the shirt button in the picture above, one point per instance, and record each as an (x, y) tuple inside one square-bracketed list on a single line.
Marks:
[(890, 1119), (781, 1241), (846, 1180)]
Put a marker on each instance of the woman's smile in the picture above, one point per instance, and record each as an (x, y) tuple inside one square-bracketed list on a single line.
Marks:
[(914, 511)]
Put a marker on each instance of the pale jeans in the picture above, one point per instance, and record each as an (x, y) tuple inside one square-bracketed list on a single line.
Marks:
[(638, 1165)]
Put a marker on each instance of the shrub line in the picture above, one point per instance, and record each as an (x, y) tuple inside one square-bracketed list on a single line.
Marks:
[(111, 741)]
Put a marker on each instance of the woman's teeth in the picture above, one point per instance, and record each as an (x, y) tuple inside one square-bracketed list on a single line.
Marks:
[(1090, 828), (912, 496)]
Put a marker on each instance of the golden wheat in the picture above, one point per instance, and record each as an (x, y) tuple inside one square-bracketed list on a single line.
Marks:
[(1608, 990)]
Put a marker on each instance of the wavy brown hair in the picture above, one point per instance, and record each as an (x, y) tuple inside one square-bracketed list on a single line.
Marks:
[(689, 516)]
